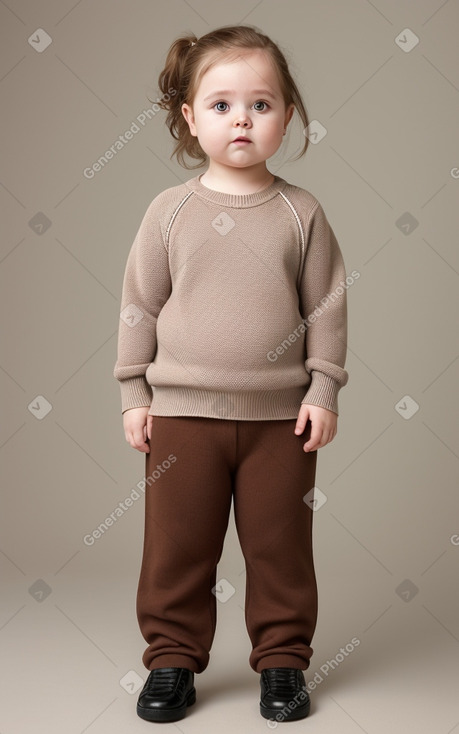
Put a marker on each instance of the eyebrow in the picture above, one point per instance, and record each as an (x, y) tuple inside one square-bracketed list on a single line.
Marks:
[(222, 92)]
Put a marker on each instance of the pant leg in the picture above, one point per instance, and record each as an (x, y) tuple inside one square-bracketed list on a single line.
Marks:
[(274, 526), (186, 517)]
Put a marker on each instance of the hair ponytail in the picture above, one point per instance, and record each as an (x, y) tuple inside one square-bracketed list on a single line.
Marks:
[(174, 83)]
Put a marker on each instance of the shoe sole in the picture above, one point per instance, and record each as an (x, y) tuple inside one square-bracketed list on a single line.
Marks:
[(167, 714), (300, 712)]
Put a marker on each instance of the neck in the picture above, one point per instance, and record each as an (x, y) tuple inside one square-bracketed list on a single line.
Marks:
[(233, 180)]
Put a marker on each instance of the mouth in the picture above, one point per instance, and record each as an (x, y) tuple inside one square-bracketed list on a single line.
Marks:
[(242, 139)]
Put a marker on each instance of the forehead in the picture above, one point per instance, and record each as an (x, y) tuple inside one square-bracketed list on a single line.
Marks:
[(241, 68)]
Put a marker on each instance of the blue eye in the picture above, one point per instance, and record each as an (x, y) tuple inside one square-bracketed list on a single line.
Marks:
[(261, 102), (224, 103)]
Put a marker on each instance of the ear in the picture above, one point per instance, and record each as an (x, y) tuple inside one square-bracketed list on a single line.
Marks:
[(289, 114), (187, 113)]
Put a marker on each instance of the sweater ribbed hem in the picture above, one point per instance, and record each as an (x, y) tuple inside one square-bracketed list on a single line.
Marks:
[(257, 405)]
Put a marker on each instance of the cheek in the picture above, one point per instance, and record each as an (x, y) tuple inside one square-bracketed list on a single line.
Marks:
[(212, 134), (273, 128), (274, 133)]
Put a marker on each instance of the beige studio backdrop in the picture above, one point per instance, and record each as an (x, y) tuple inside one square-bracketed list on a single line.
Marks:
[(382, 81)]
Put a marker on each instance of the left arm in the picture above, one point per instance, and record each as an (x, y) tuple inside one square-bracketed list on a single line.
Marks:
[(323, 305)]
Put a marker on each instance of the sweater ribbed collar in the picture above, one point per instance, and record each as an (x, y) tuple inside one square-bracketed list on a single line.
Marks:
[(238, 201)]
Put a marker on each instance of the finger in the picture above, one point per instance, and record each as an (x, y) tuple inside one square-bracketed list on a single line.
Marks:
[(330, 436), (326, 438), (301, 422), (149, 426), (139, 442), (314, 440)]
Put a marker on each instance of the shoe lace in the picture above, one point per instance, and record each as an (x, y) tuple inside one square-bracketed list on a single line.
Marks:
[(281, 680), (164, 680)]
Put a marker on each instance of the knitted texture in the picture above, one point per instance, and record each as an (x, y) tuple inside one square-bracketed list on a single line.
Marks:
[(233, 306)]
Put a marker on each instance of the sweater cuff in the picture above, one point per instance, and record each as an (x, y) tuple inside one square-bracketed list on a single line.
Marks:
[(323, 391), (135, 393)]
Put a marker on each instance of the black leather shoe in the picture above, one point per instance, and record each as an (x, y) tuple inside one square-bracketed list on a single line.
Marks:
[(283, 694), (166, 694)]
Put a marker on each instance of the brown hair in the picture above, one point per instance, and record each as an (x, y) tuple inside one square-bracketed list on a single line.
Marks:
[(187, 61)]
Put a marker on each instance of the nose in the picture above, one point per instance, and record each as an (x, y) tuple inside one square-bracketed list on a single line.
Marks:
[(242, 121)]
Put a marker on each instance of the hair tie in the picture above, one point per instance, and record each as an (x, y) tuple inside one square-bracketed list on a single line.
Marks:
[(193, 43)]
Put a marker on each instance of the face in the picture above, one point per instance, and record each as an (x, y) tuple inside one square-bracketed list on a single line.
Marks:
[(239, 98)]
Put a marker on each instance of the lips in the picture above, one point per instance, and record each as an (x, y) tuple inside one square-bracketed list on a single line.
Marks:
[(241, 139)]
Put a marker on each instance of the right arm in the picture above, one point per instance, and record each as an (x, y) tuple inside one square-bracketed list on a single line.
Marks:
[(146, 287)]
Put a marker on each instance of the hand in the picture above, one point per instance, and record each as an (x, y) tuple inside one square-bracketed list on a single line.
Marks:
[(137, 427), (323, 425)]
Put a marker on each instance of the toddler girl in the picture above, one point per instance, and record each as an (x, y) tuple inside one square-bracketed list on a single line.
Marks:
[(231, 352)]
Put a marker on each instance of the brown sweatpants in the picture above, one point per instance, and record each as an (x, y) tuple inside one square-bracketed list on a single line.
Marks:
[(196, 466)]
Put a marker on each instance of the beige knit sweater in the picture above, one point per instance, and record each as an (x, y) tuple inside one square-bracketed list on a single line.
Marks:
[(233, 306)]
